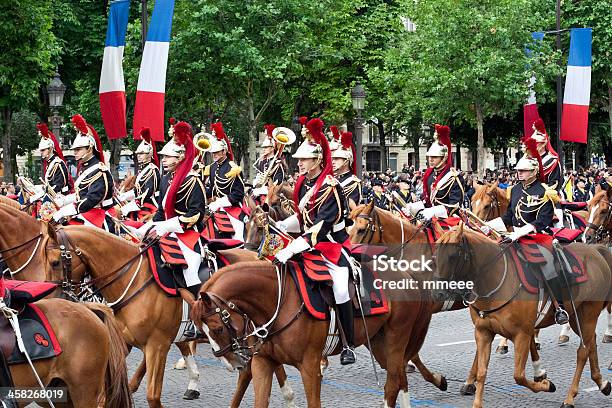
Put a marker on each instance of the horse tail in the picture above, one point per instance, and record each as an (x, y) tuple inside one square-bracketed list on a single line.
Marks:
[(605, 252), (116, 380)]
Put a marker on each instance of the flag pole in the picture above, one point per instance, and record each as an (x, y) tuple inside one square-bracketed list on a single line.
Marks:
[(143, 22), (558, 141)]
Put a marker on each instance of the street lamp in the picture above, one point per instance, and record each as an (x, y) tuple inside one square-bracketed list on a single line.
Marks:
[(56, 90), (358, 95)]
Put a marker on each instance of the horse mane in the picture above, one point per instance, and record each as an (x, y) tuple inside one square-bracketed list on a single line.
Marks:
[(253, 267), (454, 235), (102, 234), (597, 198), (128, 183), (481, 191), (9, 202)]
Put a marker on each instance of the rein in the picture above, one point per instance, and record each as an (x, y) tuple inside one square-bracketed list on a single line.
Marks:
[(37, 238)]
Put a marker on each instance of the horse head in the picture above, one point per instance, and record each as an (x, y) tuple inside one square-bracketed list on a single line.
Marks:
[(255, 227), (600, 217), (489, 202)]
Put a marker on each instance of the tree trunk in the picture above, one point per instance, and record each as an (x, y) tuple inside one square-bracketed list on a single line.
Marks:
[(252, 130), (383, 145), (607, 141), (480, 149), (6, 145), (457, 164), (115, 157)]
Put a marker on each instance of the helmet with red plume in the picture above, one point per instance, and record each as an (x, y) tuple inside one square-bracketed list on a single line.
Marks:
[(220, 141), (87, 137), (182, 138)]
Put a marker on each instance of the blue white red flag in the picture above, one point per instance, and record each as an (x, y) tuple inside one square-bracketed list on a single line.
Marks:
[(112, 85), (151, 90), (577, 95)]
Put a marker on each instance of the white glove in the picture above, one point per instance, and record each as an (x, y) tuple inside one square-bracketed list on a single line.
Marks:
[(61, 201), (485, 229), (143, 229), (290, 224), (127, 196), (437, 211), (521, 232), (296, 246), (129, 207), (257, 179), (259, 191), (219, 203), (66, 211), (168, 226), (38, 194), (414, 208)]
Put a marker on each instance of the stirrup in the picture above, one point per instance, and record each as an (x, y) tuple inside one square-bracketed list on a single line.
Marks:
[(347, 356), (561, 316)]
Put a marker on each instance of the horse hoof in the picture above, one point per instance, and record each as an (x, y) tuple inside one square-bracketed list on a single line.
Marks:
[(410, 368), (538, 346), (607, 338), (191, 395), (540, 378), (563, 339), (551, 386), (502, 350), (444, 384), (468, 389), (564, 405), (606, 390)]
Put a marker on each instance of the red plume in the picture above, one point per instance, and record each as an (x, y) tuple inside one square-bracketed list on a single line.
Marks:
[(315, 128), (46, 133), (98, 143), (79, 123), (217, 127), (347, 143), (538, 125), (269, 129), (171, 121), (303, 120), (532, 149), (335, 132), (145, 134), (183, 137)]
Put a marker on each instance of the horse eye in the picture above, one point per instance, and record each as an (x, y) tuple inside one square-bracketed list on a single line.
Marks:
[(55, 264)]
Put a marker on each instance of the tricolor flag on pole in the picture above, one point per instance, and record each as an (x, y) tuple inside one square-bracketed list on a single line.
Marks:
[(112, 85), (149, 107), (577, 95), (530, 109)]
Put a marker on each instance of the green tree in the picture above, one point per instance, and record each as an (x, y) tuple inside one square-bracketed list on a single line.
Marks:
[(29, 49)]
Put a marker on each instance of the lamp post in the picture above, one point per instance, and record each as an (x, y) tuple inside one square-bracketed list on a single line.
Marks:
[(56, 90), (358, 95)]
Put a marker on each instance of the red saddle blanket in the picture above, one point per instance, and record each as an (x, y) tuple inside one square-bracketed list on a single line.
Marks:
[(528, 258), (310, 284), (38, 336), (23, 292), (218, 226)]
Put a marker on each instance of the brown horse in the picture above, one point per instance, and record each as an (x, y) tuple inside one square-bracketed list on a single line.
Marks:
[(599, 227), (489, 202), (243, 295), (463, 255)]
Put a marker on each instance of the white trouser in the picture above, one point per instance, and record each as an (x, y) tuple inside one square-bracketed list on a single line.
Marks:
[(238, 228), (193, 264), (548, 269), (340, 277)]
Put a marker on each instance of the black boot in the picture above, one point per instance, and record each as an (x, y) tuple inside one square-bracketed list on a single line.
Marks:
[(6, 381), (345, 315), (556, 287)]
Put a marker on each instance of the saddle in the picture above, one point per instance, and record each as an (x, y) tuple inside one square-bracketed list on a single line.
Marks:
[(314, 282), (573, 206), (37, 334), (529, 259), (218, 225)]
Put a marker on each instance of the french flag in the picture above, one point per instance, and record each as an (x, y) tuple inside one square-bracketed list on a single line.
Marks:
[(577, 95), (530, 109), (112, 85), (151, 90)]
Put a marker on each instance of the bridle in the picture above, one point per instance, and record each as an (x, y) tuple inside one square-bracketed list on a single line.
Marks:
[(601, 229), (20, 247)]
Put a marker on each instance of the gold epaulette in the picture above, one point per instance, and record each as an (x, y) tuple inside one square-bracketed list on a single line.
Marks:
[(103, 166), (331, 180), (551, 194), (509, 192), (235, 171), (206, 171)]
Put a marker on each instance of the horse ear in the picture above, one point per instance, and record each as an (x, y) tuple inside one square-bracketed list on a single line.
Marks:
[(205, 298), (609, 193), (351, 203), (437, 228), (369, 207), (461, 226), (50, 232)]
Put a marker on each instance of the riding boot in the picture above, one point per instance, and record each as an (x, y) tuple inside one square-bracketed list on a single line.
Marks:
[(6, 382), (556, 287), (345, 315), (193, 332)]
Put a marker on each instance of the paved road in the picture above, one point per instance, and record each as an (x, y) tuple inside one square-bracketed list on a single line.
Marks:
[(449, 349)]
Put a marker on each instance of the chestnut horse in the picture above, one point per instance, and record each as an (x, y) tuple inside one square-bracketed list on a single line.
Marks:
[(599, 227), (465, 255), (240, 296), (489, 202)]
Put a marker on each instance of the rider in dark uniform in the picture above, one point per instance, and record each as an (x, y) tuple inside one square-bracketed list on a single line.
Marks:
[(320, 201), (531, 211), (54, 166), (442, 184), (225, 187), (378, 195), (270, 166), (343, 158)]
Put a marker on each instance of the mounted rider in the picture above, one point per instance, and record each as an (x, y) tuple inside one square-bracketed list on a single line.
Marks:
[(343, 159), (54, 168), (93, 188), (225, 187), (320, 219), (181, 205), (146, 185), (531, 212), (442, 184), (378, 195), (402, 196), (270, 165)]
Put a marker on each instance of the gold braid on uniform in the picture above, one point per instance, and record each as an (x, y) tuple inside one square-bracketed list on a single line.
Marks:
[(535, 206)]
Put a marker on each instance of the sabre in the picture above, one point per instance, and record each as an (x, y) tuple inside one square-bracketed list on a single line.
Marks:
[(470, 214)]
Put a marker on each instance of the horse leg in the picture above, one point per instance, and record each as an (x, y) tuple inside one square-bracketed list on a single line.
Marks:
[(539, 373), (397, 382), (536, 338), (484, 338), (310, 371), (502, 347), (469, 388), (155, 354), (244, 379), (604, 386), (564, 334), (522, 343), (588, 320), (262, 369), (138, 375), (288, 395), (607, 338), (193, 373), (436, 379)]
